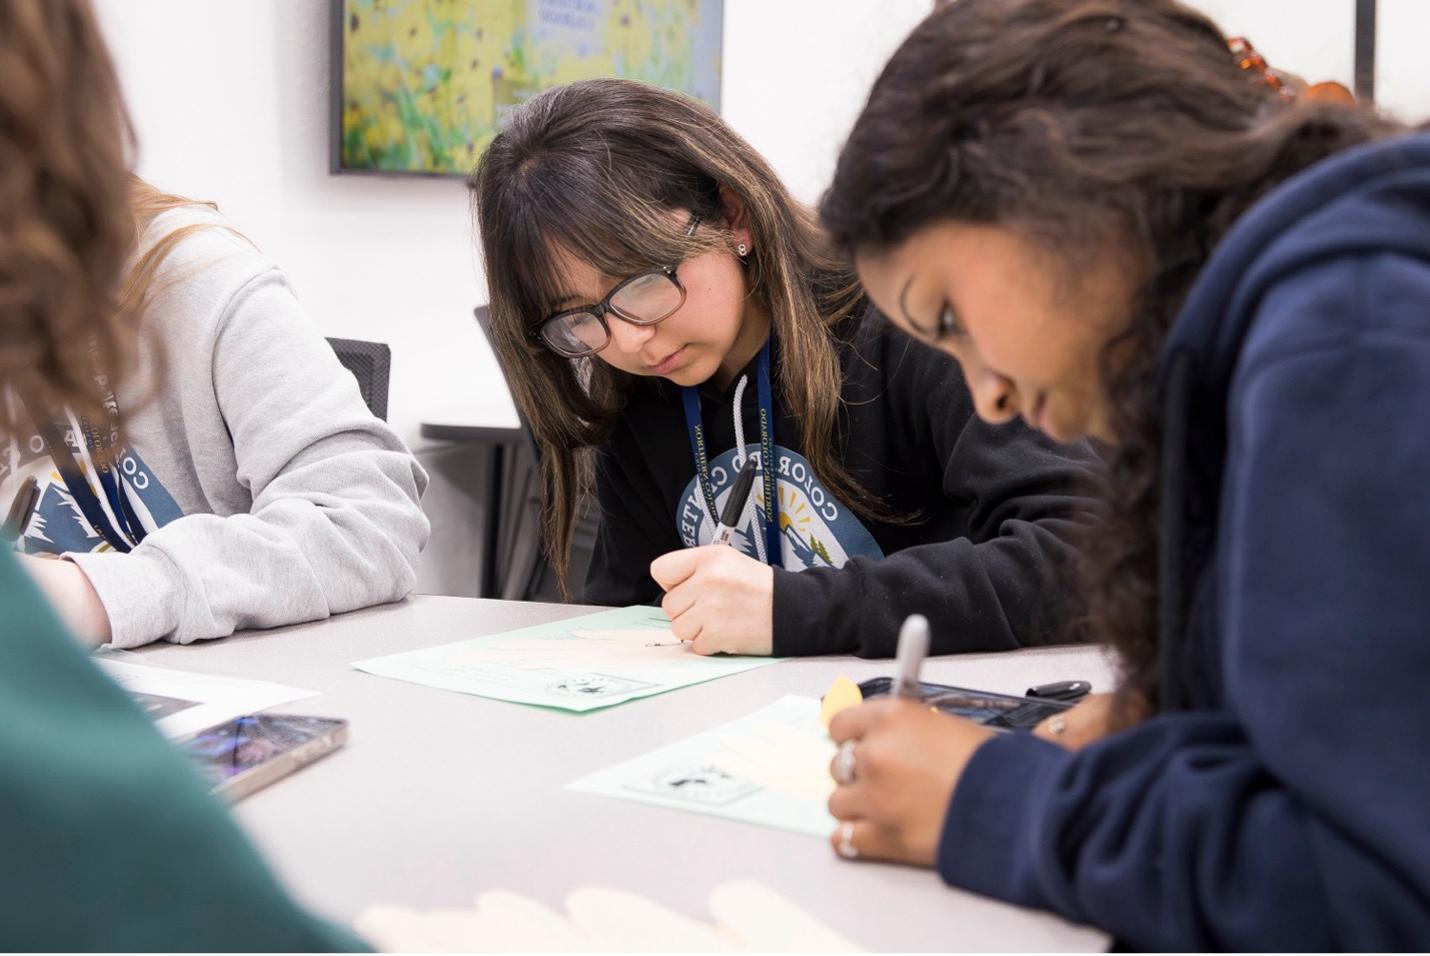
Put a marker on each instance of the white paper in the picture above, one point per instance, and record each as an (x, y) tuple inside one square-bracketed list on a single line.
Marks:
[(770, 768), (578, 664), (182, 703)]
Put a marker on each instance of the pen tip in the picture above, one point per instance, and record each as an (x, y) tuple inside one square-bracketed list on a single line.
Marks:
[(914, 635)]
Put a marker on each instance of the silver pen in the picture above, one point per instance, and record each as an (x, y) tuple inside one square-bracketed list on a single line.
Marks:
[(913, 648)]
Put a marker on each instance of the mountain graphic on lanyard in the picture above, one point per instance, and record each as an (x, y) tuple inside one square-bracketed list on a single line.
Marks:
[(58, 526)]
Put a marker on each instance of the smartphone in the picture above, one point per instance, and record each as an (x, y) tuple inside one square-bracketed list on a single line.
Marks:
[(998, 711), (249, 753)]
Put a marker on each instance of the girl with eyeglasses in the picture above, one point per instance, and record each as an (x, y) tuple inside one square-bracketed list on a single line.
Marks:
[(1119, 228), (664, 309)]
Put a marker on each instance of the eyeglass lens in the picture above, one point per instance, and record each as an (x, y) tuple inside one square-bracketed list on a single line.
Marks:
[(644, 300)]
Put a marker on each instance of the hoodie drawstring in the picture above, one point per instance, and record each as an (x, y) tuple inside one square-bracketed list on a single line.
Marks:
[(748, 515)]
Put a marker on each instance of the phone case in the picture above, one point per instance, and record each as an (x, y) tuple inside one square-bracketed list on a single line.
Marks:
[(240, 785), (998, 711)]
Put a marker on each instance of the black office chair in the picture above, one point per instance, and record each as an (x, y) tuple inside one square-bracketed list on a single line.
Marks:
[(371, 365), (525, 574)]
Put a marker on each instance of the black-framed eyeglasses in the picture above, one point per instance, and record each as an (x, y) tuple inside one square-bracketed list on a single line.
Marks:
[(645, 299)]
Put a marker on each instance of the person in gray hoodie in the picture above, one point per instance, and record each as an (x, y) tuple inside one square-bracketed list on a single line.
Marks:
[(240, 482)]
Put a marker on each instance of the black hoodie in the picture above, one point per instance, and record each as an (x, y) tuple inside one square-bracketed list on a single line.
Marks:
[(994, 506)]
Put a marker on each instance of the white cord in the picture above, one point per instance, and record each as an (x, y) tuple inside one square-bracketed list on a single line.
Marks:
[(749, 515), (740, 421)]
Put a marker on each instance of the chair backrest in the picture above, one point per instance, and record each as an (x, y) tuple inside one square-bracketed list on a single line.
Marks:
[(371, 365)]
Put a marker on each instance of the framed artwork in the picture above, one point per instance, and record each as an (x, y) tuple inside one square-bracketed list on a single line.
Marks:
[(422, 86)]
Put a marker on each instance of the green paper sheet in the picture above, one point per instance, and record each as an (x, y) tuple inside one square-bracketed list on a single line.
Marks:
[(579, 664)]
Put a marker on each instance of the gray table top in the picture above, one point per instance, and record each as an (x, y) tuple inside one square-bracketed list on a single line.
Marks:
[(439, 796)]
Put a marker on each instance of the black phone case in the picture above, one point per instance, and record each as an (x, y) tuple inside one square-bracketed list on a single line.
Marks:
[(1004, 711)]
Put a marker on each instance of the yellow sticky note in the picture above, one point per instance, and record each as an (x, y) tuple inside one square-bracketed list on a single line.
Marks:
[(842, 695)]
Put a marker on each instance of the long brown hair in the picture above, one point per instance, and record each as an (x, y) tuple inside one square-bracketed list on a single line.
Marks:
[(147, 202), (595, 168), (1087, 125), (65, 223), (149, 249)]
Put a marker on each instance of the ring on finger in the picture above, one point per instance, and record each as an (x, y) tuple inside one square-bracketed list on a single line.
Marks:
[(844, 763), (1056, 725), (846, 841)]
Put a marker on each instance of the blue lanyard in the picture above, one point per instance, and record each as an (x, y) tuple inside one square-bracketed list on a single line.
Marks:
[(695, 423), (83, 494), (107, 470), (101, 453)]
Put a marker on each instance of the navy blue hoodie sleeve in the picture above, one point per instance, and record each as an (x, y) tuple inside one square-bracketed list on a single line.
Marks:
[(1297, 819)]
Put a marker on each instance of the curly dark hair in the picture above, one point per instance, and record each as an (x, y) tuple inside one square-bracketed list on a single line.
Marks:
[(65, 221), (1104, 125)]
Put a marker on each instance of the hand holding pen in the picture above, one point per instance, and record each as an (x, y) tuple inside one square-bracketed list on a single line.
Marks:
[(913, 648), (680, 574), (897, 765)]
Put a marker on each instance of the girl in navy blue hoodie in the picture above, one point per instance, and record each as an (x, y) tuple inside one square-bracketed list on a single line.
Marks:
[(1121, 231)]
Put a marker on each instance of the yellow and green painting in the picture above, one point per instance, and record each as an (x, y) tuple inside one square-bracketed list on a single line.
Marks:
[(426, 84)]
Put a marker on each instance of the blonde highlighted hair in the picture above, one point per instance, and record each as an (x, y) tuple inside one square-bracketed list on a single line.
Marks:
[(147, 203)]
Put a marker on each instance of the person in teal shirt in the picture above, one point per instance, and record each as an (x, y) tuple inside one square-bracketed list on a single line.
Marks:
[(108, 839), (111, 841)]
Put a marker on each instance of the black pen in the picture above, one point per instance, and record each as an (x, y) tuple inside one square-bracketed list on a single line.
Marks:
[(735, 504), (18, 518), (1068, 690)]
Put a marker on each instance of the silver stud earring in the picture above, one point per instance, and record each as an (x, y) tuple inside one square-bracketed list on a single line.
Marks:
[(743, 250)]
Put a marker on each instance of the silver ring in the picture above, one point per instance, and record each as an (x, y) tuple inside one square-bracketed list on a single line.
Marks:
[(846, 841), (844, 763), (1056, 725)]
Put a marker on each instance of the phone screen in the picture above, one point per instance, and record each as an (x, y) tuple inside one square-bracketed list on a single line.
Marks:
[(999, 711), (246, 742)]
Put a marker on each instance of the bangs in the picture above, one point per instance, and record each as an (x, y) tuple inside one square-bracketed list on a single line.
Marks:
[(552, 213)]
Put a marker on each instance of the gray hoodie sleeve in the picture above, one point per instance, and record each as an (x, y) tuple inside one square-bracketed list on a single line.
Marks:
[(308, 505)]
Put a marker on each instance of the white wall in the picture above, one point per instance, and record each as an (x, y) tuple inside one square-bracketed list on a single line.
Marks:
[(231, 101), (1402, 61), (1314, 39), (797, 73), (235, 108)]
